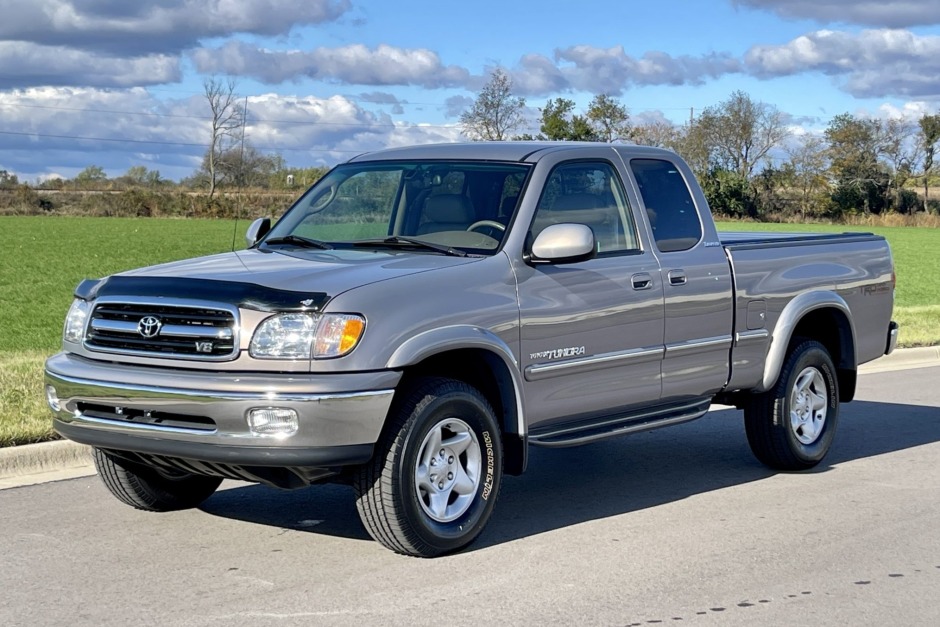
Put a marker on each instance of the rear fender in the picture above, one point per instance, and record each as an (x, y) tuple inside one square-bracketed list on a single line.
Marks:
[(790, 317)]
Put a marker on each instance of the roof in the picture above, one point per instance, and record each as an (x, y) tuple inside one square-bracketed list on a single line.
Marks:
[(497, 151)]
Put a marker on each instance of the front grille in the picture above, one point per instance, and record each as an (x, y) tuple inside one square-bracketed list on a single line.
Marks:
[(162, 330)]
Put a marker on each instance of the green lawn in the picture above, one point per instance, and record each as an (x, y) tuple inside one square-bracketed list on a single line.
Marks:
[(42, 260)]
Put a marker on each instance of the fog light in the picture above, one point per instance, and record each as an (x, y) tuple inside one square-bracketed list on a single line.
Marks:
[(273, 421), (52, 398)]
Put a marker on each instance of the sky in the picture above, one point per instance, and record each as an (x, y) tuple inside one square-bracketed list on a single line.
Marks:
[(118, 83)]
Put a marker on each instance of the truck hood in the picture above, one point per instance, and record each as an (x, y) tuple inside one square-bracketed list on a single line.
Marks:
[(270, 279)]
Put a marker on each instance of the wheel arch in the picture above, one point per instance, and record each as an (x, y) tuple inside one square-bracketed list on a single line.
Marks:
[(479, 358), (822, 316)]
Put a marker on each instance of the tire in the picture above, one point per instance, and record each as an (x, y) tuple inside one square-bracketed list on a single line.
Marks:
[(434, 479), (144, 488), (791, 426)]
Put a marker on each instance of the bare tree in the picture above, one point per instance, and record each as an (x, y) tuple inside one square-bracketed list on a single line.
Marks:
[(809, 164), (610, 119), (496, 113), (228, 118), (740, 132), (900, 148), (657, 133)]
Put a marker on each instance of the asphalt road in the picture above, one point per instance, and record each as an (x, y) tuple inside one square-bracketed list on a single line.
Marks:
[(677, 526)]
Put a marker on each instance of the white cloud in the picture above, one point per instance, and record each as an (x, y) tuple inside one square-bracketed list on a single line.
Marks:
[(166, 26), (893, 14), (353, 65), (612, 70), (27, 65), (873, 63), (305, 129)]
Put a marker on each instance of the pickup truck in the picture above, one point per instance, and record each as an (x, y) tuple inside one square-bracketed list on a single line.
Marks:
[(423, 315)]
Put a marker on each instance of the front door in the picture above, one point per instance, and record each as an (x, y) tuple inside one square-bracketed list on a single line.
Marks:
[(592, 332)]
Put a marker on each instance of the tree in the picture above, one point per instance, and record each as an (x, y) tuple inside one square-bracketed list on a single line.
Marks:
[(854, 146), (560, 124), (91, 177), (809, 164), (899, 147), (228, 118), (245, 166), (929, 136), (8, 180), (609, 118), (657, 133), (739, 132), (496, 113)]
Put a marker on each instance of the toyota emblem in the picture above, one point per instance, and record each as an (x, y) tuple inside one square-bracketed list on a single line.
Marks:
[(149, 326)]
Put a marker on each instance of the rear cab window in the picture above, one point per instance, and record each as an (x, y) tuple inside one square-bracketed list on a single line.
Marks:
[(672, 214)]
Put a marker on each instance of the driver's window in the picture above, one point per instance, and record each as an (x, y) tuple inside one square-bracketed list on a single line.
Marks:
[(358, 208), (588, 193)]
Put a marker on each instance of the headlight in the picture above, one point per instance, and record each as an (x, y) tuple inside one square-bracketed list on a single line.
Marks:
[(302, 336), (75, 320)]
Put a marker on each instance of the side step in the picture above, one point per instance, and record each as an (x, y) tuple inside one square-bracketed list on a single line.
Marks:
[(585, 431)]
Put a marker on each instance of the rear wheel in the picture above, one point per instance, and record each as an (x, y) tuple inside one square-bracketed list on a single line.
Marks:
[(144, 488), (435, 476), (791, 426)]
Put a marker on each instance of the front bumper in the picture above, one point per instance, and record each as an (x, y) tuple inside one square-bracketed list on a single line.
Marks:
[(201, 416)]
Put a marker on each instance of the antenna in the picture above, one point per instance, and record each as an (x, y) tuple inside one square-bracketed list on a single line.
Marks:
[(241, 167)]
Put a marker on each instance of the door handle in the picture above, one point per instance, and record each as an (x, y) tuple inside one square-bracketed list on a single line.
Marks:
[(642, 281), (677, 277)]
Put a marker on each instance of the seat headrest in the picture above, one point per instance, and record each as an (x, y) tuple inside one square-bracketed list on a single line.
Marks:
[(576, 201), (448, 208)]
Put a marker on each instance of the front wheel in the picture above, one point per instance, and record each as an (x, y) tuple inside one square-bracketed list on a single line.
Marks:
[(435, 476), (791, 426), (144, 488)]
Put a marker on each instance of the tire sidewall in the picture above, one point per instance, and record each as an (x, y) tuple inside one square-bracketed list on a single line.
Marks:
[(478, 416), (814, 357)]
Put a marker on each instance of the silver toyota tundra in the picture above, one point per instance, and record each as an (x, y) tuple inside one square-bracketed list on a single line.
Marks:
[(421, 316)]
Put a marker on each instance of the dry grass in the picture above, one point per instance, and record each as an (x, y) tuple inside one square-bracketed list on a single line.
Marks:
[(24, 416)]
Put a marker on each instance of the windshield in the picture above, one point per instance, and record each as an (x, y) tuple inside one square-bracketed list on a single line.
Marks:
[(464, 205)]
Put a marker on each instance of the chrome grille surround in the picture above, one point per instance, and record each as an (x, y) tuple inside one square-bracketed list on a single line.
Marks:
[(114, 327)]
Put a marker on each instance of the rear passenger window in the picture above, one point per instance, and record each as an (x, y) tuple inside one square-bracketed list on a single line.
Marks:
[(669, 205), (588, 193)]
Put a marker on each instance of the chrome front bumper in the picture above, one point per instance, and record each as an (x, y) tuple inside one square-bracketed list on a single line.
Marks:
[(202, 415)]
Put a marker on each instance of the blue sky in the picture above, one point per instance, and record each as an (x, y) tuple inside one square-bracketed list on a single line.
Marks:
[(118, 84)]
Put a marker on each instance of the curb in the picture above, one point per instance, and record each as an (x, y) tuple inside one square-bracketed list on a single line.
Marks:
[(903, 359), (35, 460), (31, 459)]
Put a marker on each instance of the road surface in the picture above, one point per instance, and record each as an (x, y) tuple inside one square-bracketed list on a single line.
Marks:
[(676, 526)]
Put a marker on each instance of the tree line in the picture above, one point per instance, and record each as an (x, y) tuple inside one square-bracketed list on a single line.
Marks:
[(748, 159)]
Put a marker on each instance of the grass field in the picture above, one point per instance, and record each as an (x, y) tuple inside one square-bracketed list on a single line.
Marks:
[(42, 260)]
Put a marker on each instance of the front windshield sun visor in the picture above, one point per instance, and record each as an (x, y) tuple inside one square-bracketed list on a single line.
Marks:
[(451, 207)]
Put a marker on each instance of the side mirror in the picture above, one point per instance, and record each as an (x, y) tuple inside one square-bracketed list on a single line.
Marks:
[(258, 229), (564, 243)]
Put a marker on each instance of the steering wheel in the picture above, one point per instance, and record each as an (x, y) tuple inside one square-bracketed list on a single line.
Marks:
[(491, 223)]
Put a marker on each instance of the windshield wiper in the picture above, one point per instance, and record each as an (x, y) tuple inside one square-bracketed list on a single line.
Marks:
[(297, 240), (398, 240)]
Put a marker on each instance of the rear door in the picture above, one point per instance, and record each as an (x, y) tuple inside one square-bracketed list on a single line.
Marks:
[(696, 278), (592, 332)]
